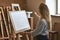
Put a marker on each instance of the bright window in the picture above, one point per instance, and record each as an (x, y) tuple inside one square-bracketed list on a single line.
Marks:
[(52, 6), (58, 2)]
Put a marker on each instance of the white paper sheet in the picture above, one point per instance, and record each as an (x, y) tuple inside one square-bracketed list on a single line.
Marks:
[(19, 20)]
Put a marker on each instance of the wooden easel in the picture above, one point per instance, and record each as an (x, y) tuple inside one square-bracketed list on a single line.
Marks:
[(17, 35), (9, 29), (14, 35), (13, 9), (15, 6), (3, 25), (19, 10), (11, 33), (31, 24)]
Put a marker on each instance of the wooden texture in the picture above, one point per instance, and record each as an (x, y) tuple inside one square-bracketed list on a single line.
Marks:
[(57, 28), (5, 3)]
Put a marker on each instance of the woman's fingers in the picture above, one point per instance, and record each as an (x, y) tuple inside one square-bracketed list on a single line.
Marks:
[(35, 13)]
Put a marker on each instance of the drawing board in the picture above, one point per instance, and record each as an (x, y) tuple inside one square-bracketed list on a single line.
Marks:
[(19, 20)]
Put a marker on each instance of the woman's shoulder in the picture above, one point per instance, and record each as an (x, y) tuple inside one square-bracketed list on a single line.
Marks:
[(44, 21)]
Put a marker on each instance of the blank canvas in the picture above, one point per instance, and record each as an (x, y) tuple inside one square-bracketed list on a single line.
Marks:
[(19, 20)]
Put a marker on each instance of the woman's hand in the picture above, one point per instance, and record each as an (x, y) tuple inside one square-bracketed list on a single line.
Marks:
[(36, 14)]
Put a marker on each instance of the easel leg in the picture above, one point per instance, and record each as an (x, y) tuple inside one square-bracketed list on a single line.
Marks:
[(18, 36), (27, 37), (31, 38)]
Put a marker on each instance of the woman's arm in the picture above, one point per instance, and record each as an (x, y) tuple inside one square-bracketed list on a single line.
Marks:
[(39, 29)]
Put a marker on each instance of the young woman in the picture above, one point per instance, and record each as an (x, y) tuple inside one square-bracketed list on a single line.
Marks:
[(41, 31)]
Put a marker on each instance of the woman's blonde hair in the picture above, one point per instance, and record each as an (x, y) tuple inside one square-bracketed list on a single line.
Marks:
[(42, 8)]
